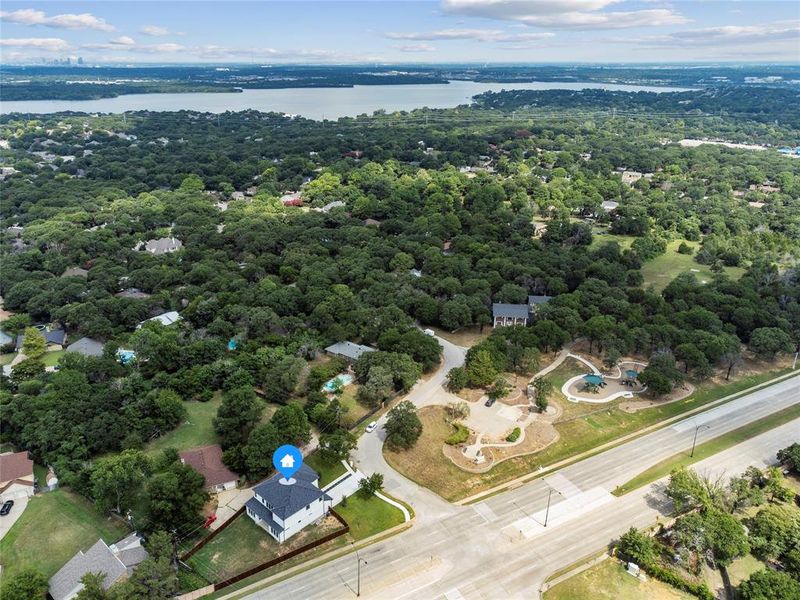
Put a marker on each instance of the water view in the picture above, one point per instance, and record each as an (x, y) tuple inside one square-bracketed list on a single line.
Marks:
[(314, 103)]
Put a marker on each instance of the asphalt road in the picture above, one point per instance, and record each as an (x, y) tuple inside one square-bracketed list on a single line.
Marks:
[(499, 547)]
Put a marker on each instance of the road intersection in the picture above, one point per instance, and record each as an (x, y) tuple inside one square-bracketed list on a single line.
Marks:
[(499, 547)]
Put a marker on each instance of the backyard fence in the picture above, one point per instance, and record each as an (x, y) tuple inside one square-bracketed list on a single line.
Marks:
[(297, 551), (211, 535)]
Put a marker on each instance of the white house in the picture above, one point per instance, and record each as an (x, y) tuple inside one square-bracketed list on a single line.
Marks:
[(283, 508), (166, 319)]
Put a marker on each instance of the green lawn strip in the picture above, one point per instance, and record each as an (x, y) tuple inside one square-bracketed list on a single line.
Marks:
[(602, 237), (7, 358), (368, 516), (54, 527), (40, 474), (327, 471), (196, 430), (608, 580), (709, 448)]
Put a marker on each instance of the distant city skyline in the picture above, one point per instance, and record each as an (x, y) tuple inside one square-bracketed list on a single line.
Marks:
[(371, 31)]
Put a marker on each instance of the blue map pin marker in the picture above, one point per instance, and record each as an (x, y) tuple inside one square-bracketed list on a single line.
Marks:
[(287, 460)]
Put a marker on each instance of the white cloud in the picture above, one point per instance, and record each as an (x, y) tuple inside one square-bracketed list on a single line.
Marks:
[(421, 47), (482, 35), (123, 40), (45, 44), (29, 16), (725, 34), (154, 30), (128, 44), (567, 14)]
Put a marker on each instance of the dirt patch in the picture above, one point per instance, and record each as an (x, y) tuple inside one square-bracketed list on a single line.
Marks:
[(678, 393)]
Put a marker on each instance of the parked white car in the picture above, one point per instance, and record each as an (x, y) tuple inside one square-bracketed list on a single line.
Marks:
[(429, 332), (371, 427)]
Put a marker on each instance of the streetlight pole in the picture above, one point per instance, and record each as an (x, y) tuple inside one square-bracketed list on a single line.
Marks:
[(694, 442), (359, 560), (547, 512)]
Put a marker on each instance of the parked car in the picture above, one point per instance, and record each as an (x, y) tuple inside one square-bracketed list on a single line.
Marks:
[(490, 401), (429, 332), (371, 427), (6, 507)]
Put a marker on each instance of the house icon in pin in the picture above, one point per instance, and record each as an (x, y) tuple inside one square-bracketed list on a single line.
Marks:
[(287, 462)]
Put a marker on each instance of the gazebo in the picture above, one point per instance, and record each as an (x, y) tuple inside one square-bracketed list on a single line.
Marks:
[(592, 379), (631, 374)]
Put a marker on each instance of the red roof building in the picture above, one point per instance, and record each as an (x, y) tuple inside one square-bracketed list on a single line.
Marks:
[(208, 462)]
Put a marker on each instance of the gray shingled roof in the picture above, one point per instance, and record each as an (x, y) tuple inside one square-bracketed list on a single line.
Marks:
[(348, 349), (519, 311), (539, 299), (56, 336), (87, 347), (285, 500), (97, 559)]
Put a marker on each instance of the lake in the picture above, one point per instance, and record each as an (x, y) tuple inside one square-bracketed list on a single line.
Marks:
[(314, 103)]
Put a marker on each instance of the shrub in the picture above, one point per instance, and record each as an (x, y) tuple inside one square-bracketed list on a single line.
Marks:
[(459, 436), (514, 435)]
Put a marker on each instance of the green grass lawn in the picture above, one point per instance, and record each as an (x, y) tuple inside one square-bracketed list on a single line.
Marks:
[(663, 269), (355, 410), (709, 448), (196, 430), (369, 516), (598, 240), (244, 545), (327, 471), (50, 359), (52, 529), (7, 358), (741, 568), (609, 581)]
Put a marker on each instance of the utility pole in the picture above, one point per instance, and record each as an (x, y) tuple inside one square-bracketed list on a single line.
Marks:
[(359, 560), (694, 443)]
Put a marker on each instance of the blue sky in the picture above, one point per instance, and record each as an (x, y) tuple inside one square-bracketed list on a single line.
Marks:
[(433, 31)]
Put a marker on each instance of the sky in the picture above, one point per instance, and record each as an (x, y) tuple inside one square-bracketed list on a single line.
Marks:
[(376, 31)]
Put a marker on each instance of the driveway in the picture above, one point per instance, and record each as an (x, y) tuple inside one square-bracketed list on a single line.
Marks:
[(20, 504), (368, 455)]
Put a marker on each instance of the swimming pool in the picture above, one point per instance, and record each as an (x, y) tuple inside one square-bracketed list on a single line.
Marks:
[(344, 379)]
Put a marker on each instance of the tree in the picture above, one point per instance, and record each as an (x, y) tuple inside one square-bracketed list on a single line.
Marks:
[(27, 584), (457, 379), (458, 411), (174, 497), (542, 388), (656, 382), (368, 486), (335, 447), (773, 530), (237, 414), (499, 388), (291, 423), (264, 441), (688, 490), (481, 371), (155, 578), (742, 492), (598, 328), (93, 587), (767, 584), (769, 341), (403, 426), (773, 486), (117, 479), (33, 343), (713, 530), (638, 547), (790, 456)]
